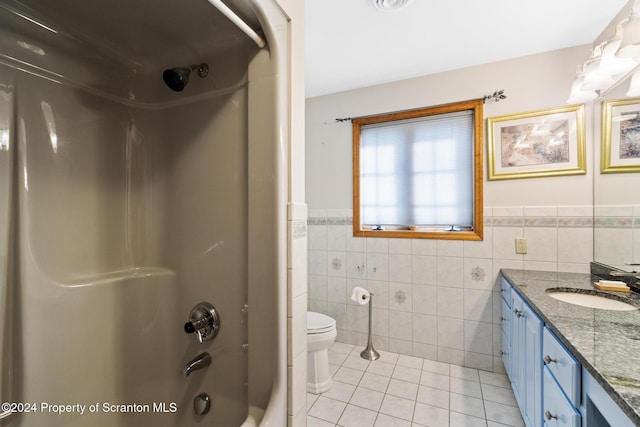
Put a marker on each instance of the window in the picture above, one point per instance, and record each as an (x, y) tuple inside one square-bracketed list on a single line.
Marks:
[(418, 173)]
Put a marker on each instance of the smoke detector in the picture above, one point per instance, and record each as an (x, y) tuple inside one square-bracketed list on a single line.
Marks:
[(389, 4)]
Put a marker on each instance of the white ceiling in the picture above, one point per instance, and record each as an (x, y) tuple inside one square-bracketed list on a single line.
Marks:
[(349, 44)]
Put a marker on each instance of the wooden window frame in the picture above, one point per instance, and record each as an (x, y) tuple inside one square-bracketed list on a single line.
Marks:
[(478, 174)]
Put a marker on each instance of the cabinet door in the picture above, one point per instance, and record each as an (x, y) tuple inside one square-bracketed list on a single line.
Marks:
[(526, 360), (505, 291), (532, 359), (516, 366), (506, 337)]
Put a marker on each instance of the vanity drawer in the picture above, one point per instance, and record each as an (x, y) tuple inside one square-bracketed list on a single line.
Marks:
[(557, 411), (562, 365), (505, 291)]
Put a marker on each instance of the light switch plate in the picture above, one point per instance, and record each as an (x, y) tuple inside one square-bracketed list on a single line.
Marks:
[(521, 245)]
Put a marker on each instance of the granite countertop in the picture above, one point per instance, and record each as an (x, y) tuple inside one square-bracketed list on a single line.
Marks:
[(606, 342)]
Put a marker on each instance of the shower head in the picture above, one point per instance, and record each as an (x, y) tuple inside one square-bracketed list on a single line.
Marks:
[(178, 77)]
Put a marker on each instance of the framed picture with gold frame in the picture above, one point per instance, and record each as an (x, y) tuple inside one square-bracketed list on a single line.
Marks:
[(620, 151), (537, 144)]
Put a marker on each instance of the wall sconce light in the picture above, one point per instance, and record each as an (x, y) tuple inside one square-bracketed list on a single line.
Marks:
[(611, 61), (594, 79), (578, 94), (630, 44)]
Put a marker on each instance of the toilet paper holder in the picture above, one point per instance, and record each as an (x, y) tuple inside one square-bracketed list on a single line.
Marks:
[(370, 353), (363, 296)]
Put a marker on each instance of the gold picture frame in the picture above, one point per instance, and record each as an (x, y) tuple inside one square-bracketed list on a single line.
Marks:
[(620, 150), (537, 144)]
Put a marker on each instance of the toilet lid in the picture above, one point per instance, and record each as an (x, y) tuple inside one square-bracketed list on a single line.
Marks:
[(318, 322)]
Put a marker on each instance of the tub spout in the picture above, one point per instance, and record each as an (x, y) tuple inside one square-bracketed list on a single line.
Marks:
[(200, 361)]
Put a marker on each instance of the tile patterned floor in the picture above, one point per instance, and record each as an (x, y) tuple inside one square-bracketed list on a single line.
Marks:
[(404, 391)]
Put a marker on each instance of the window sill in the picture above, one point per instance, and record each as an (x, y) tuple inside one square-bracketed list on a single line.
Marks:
[(475, 235)]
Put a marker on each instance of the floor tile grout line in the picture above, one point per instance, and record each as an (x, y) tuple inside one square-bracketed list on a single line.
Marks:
[(358, 385), (390, 378), (484, 409)]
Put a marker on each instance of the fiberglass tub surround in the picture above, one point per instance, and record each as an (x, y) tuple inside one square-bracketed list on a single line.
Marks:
[(128, 203)]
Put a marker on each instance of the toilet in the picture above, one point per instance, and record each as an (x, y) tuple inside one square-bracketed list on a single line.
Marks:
[(321, 333)]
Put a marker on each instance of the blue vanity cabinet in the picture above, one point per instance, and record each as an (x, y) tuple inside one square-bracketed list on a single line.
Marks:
[(561, 383), (558, 410), (550, 385), (564, 368), (506, 337), (505, 292), (526, 359), (598, 408), (516, 365)]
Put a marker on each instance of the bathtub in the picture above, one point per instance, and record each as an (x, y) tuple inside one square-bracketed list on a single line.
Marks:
[(123, 204)]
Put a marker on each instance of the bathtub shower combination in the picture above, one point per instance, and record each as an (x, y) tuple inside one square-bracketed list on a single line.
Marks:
[(128, 199)]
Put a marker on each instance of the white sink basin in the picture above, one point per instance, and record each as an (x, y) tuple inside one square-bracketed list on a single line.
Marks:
[(590, 300)]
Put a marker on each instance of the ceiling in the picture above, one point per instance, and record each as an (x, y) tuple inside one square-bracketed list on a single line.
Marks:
[(350, 44)]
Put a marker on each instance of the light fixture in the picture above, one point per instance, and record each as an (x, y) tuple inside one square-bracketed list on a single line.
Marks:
[(593, 79), (389, 4), (609, 62), (630, 44), (578, 95)]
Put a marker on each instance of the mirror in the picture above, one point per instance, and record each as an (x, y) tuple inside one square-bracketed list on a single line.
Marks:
[(616, 198), (616, 191)]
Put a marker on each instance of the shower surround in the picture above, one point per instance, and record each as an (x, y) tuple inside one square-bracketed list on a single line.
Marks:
[(123, 204)]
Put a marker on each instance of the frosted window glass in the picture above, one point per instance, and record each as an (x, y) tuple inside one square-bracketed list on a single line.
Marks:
[(418, 171)]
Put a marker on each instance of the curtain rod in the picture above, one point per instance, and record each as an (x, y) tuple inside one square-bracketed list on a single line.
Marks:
[(238, 22), (496, 96)]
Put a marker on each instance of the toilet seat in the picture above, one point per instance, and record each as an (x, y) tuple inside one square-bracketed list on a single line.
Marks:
[(318, 323)]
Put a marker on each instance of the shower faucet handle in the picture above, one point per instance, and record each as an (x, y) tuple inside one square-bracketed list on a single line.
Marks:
[(204, 321)]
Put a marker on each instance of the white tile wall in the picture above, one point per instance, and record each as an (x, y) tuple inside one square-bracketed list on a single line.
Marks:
[(438, 299), (298, 297)]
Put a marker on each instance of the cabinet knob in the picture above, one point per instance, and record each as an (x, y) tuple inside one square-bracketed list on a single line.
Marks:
[(547, 360), (548, 415), (518, 313)]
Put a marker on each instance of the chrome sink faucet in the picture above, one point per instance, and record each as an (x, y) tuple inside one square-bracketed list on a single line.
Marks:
[(200, 361)]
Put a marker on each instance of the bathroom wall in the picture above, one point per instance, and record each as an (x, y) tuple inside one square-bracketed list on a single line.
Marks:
[(439, 299), (296, 295)]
